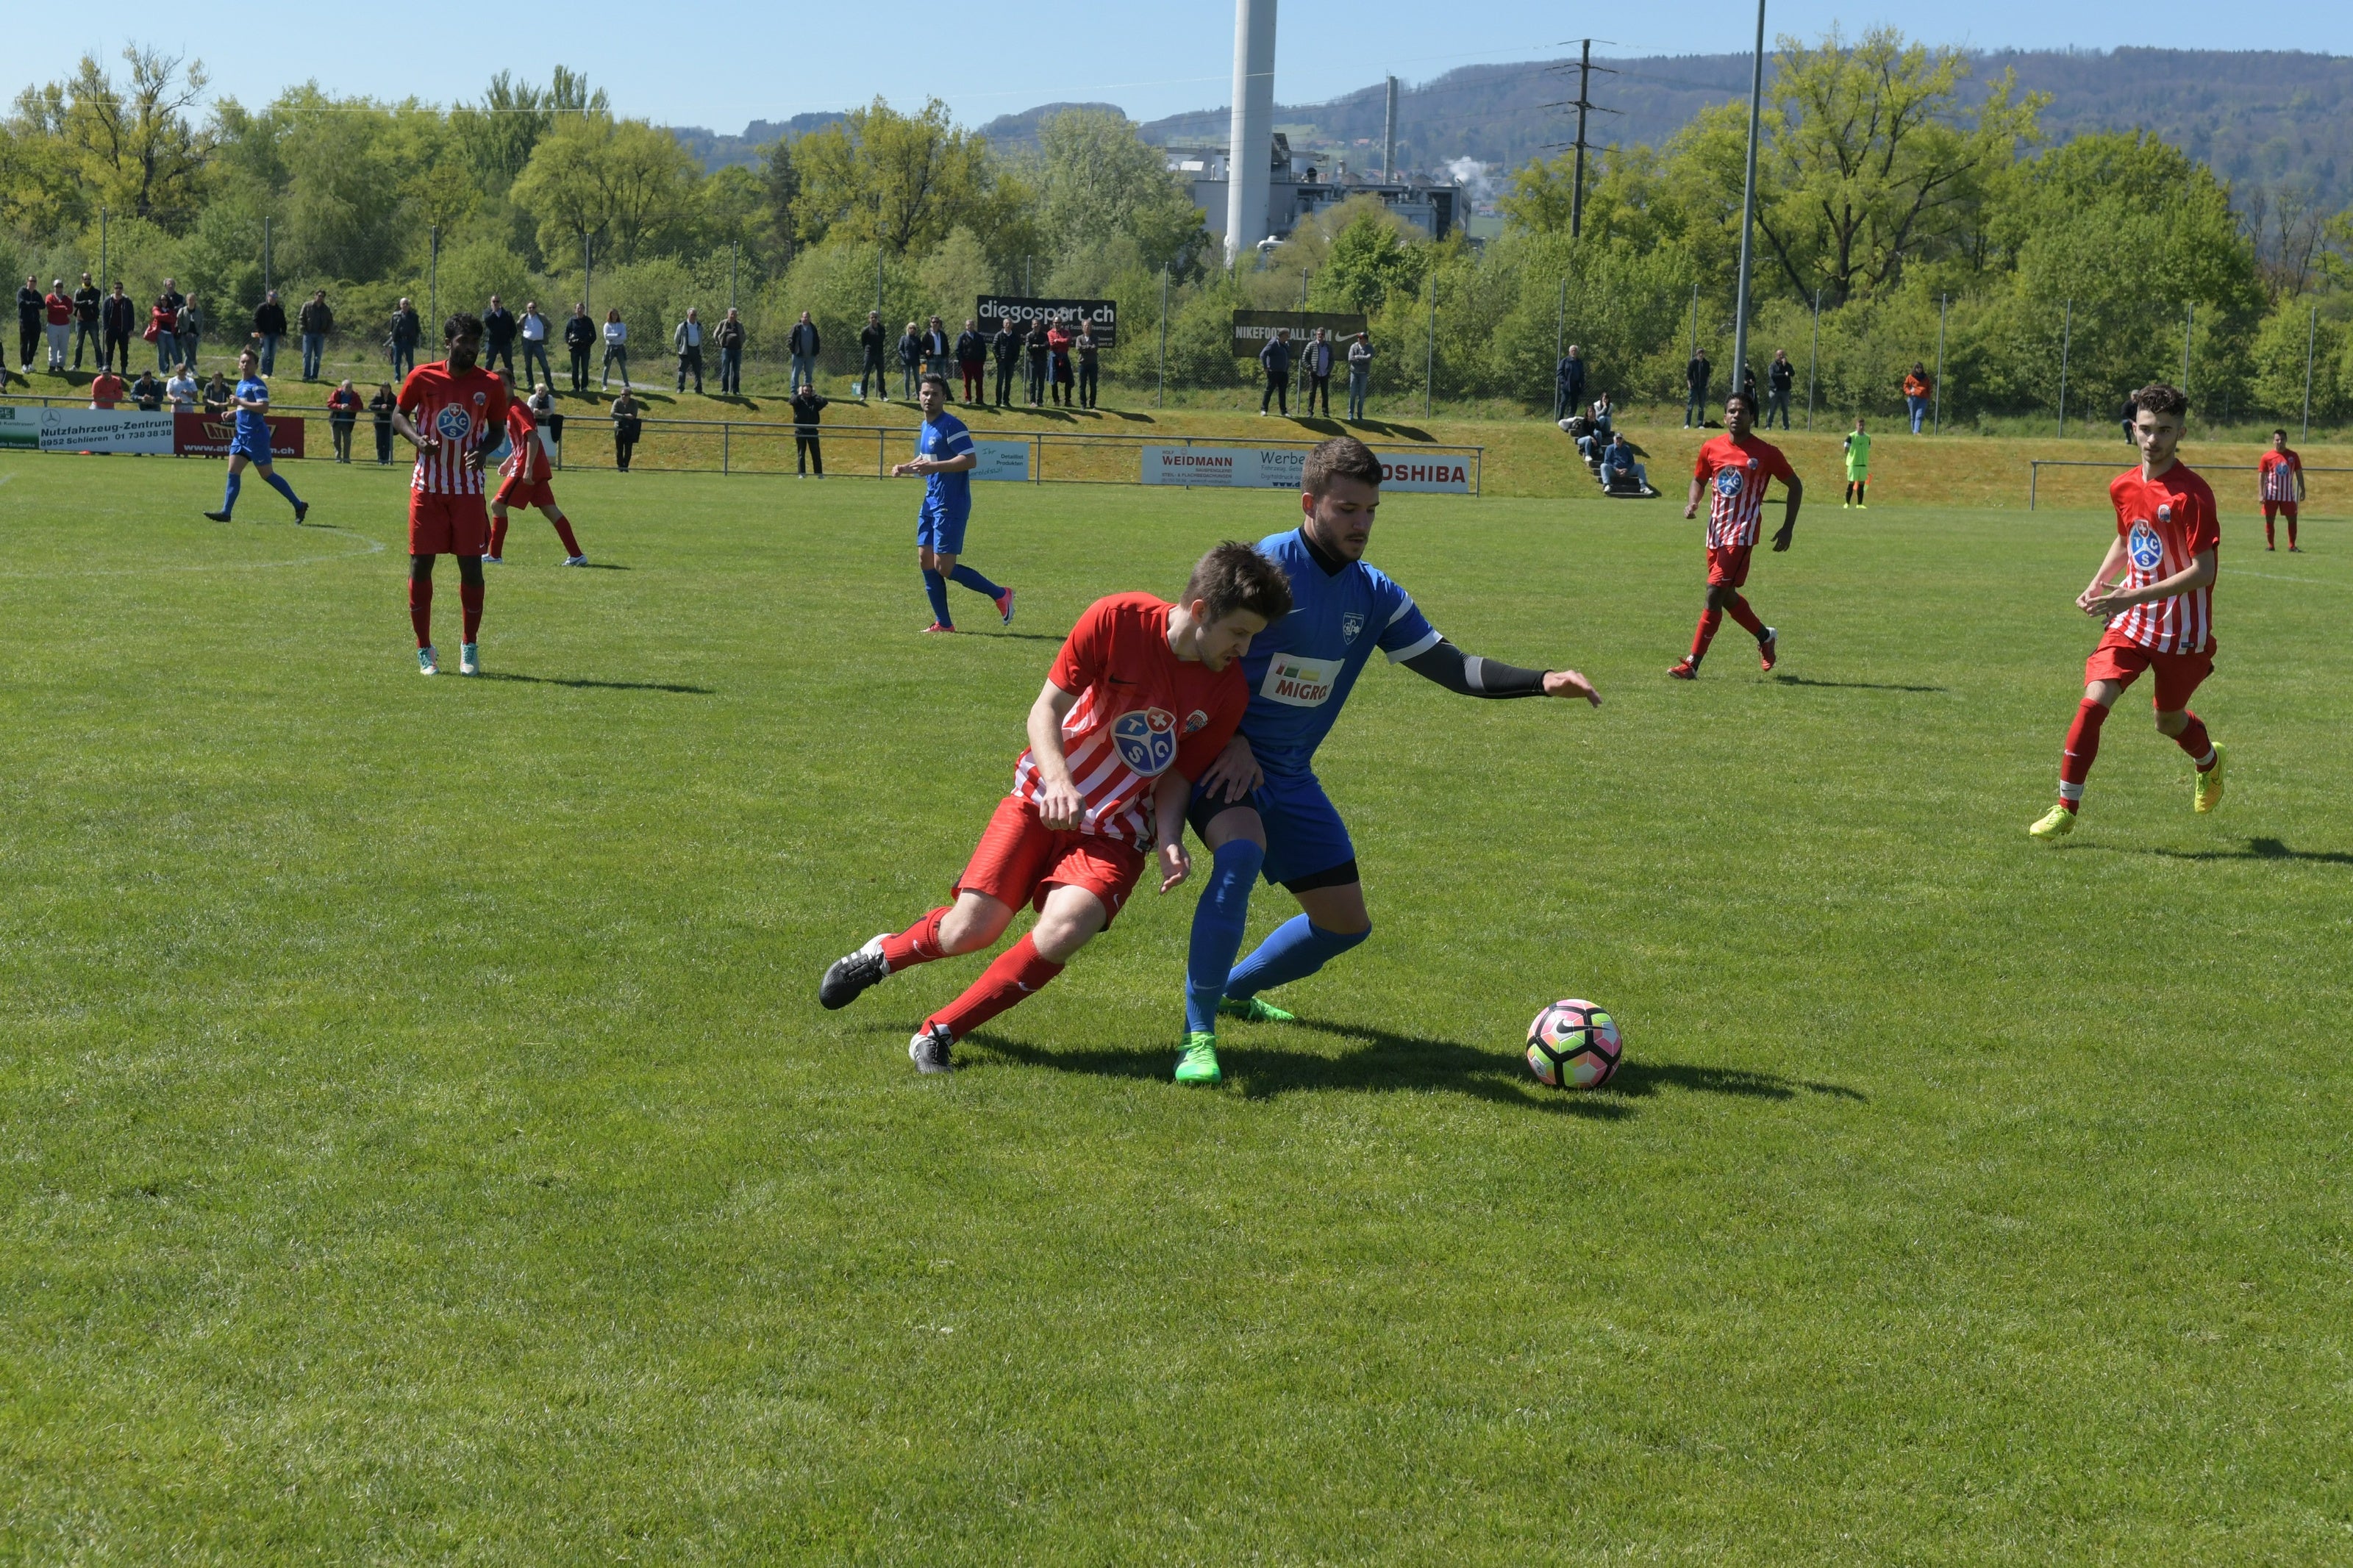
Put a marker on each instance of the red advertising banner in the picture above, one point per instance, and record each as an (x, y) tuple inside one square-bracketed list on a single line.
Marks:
[(202, 436)]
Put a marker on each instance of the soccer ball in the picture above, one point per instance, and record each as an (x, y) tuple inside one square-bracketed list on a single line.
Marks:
[(1573, 1045)]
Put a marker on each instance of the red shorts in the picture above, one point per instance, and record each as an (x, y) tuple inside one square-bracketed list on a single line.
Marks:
[(1020, 858), (2273, 509), (2177, 674), (448, 525), (520, 491), (1727, 565)]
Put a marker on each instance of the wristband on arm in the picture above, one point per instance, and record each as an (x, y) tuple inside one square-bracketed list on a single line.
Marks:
[(1468, 674)]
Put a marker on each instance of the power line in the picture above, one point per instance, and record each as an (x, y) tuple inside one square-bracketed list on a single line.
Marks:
[(1583, 103)]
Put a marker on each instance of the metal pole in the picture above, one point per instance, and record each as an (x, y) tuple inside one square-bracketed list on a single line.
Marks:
[(1559, 337), (878, 285), (734, 252), (588, 274), (1577, 190), (1160, 397), (102, 251), (264, 253), (2066, 336), (433, 291), (1748, 207), (1430, 357), (1388, 136), (2311, 331), (1695, 321), (1937, 424), (1813, 359), (724, 434), (2189, 331)]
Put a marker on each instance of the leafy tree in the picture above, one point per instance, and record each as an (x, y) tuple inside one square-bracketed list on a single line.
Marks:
[(906, 181), (780, 179), (593, 178), (1369, 260), (497, 136), (1098, 180), (131, 147)]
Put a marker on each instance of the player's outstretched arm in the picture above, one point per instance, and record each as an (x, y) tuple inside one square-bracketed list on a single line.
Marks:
[(2110, 565), (2198, 573), (1059, 803), (1690, 507), (1170, 799), (1789, 530), (1468, 674)]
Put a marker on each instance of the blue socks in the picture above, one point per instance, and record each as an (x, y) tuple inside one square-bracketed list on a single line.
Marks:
[(1218, 922), (965, 576), (278, 483), (235, 483), (1297, 949), (936, 587)]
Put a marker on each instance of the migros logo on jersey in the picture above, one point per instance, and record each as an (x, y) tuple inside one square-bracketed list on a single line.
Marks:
[(1300, 682)]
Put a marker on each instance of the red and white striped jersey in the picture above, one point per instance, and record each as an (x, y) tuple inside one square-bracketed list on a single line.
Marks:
[(528, 461), (1736, 471), (2276, 475), (463, 410), (2166, 523), (1141, 710)]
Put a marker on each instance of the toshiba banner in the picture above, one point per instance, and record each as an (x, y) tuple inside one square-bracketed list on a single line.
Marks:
[(86, 430), (1284, 468), (202, 436)]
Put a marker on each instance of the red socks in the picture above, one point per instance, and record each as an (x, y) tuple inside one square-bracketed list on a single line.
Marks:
[(2083, 745), (919, 943), (469, 595), (1708, 621), (1748, 618), (498, 534), (563, 532), (2196, 743), (1019, 970), (420, 609)]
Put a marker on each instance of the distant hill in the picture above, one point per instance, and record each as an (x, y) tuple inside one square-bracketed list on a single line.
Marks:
[(1021, 129), (713, 151)]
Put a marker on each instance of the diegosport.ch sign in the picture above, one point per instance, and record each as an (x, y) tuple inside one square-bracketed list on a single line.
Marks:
[(1282, 468)]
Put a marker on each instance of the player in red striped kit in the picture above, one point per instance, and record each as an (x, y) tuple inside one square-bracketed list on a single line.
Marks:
[(524, 476), (2279, 479), (452, 410), (1735, 469), (2161, 615), (1140, 699)]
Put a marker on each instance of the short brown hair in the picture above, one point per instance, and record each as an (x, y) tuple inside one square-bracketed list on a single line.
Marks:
[(2161, 398), (1344, 456), (1235, 577)]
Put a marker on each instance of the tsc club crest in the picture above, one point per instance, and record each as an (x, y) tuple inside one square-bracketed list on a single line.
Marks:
[(1147, 737), (2148, 551), (1728, 482), (1350, 625), (453, 422)]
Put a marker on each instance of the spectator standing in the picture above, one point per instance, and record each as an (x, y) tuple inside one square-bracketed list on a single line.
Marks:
[(2128, 413), (1088, 350), (1696, 375), (550, 423), (56, 317), (579, 336), (87, 301), (1748, 386), (1318, 361), (163, 330), (382, 404), (803, 344), (147, 392), (1007, 348), (1779, 377), (118, 318), (498, 337), (1275, 359), (192, 330), (807, 407), (1360, 376), (406, 330), (688, 341), (182, 390), (269, 325), (29, 312), (972, 362), (1568, 383), (731, 355), (617, 348), (911, 360), (532, 329), (106, 389), (316, 322), (215, 396), (1037, 343), (1058, 345), (1916, 391), (936, 349), (343, 405), (871, 381), (629, 425)]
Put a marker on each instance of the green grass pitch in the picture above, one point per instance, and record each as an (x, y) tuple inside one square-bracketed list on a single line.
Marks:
[(420, 1140)]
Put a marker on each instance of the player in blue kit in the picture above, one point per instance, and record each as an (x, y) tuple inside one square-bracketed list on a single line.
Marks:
[(945, 458), (250, 442), (1260, 807)]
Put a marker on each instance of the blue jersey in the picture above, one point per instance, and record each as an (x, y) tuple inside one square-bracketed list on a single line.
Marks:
[(1302, 669), (943, 438), (252, 426)]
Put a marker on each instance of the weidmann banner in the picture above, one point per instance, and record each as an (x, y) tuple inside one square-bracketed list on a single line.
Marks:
[(1100, 314), (1284, 468), (202, 436)]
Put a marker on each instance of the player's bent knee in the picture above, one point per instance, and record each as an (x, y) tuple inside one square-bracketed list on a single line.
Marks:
[(2173, 723), (974, 922), (1238, 824), (1071, 917)]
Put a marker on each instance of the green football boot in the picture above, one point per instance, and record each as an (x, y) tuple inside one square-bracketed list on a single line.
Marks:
[(1256, 1011), (1200, 1062)]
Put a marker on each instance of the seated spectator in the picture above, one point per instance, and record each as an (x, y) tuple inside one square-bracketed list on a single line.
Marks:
[(217, 397), (107, 390), (1601, 420), (147, 392), (183, 391), (1619, 472)]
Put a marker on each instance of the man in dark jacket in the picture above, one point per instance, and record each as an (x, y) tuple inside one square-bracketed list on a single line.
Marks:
[(972, 362), (1695, 380), (870, 339), (579, 336), (1568, 384), (498, 337), (936, 347), (87, 301), (1276, 359), (1007, 346), (807, 409), (29, 310), (118, 318), (1316, 357), (1781, 376), (730, 335), (269, 325), (1040, 351), (802, 343), (406, 330), (316, 321)]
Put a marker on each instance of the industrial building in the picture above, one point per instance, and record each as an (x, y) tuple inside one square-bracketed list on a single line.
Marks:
[(1296, 189)]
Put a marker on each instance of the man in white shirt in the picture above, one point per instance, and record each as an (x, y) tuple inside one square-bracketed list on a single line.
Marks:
[(183, 391), (688, 340), (534, 345)]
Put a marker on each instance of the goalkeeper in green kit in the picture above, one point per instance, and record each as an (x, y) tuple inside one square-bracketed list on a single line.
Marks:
[(1858, 463)]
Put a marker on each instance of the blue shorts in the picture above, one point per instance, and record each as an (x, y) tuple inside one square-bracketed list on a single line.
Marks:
[(1304, 834), (262, 457), (940, 530)]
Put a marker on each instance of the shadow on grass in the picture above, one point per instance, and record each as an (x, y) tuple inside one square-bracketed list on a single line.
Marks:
[(1382, 1060), (598, 685), (2257, 849), (1848, 685)]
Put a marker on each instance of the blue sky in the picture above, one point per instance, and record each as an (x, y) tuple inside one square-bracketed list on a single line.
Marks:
[(731, 62)]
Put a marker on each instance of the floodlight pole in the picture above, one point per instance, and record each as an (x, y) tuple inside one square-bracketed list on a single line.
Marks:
[(1160, 397), (1559, 337), (2189, 331), (1747, 213), (588, 275), (101, 255), (2311, 331), (1813, 359), (2066, 334), (265, 254), (1936, 421), (433, 278), (1430, 355), (734, 253)]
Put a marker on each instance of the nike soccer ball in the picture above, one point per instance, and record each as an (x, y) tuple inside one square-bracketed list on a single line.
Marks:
[(1573, 1045)]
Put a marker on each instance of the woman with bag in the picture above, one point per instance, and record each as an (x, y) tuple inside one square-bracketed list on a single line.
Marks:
[(382, 404), (343, 406)]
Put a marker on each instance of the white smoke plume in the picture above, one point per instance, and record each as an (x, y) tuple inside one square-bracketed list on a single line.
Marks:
[(1471, 175)]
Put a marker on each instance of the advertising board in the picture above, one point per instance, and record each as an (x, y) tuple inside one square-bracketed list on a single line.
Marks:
[(1282, 467), (1021, 310)]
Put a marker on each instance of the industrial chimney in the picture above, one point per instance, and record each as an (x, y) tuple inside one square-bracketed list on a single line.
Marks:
[(1250, 151)]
